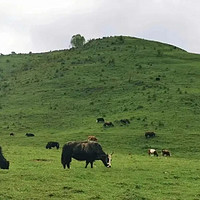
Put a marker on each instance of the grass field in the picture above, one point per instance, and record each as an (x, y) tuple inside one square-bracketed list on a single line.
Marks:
[(58, 96)]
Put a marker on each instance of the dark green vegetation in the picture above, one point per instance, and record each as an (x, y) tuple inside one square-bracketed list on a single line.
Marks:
[(58, 96)]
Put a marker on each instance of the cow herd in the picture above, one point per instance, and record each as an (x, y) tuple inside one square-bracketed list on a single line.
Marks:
[(121, 122), (164, 152), (89, 150)]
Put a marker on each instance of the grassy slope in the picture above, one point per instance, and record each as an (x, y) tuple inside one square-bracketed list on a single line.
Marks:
[(58, 96)]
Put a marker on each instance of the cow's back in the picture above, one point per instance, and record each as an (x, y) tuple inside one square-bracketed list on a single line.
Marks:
[(83, 150)]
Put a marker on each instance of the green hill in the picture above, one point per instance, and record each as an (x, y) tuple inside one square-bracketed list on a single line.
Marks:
[(58, 96)]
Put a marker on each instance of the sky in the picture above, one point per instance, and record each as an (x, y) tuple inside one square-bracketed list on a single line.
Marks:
[(48, 25)]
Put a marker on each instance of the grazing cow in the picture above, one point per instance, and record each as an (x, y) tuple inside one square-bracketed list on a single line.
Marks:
[(150, 134), (166, 152), (92, 138), (108, 124), (4, 164), (84, 151), (100, 120), (152, 152), (52, 144), (157, 78), (124, 121), (12, 134), (30, 135)]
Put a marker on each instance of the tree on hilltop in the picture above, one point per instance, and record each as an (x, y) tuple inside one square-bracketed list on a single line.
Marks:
[(77, 41)]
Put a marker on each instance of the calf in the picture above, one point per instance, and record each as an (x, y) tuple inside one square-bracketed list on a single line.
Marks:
[(152, 152)]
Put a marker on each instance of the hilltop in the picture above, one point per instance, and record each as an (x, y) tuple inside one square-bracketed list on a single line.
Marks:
[(59, 95)]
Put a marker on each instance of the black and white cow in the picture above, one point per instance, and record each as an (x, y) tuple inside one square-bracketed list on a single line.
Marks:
[(152, 152)]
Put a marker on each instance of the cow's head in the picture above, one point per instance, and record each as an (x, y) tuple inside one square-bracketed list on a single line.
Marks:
[(106, 159), (5, 165)]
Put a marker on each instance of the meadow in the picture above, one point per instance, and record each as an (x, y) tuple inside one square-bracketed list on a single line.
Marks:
[(58, 96)]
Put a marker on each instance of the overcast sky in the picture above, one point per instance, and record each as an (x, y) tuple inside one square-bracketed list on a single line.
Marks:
[(47, 25)]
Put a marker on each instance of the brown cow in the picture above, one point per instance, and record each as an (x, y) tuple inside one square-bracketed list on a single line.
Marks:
[(166, 152), (108, 124), (92, 138)]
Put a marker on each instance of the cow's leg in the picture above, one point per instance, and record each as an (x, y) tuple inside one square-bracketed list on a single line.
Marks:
[(68, 161), (91, 163), (68, 165), (87, 162)]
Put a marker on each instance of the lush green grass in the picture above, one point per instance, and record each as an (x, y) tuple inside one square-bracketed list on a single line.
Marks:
[(58, 96)]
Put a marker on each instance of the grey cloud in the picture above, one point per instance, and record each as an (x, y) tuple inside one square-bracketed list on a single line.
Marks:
[(171, 21)]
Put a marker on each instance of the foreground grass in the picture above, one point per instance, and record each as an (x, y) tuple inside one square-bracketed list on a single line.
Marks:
[(131, 177), (36, 173)]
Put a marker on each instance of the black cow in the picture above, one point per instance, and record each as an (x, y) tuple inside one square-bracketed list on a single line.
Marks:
[(52, 144), (4, 164), (30, 135), (100, 120), (150, 134), (108, 124), (124, 121), (88, 151), (12, 134), (157, 78)]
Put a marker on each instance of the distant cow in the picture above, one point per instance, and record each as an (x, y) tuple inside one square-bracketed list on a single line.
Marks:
[(12, 134), (152, 152), (30, 135), (124, 121), (157, 78), (166, 152), (52, 144), (92, 138), (150, 134), (4, 164), (84, 151), (108, 124), (100, 120)]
